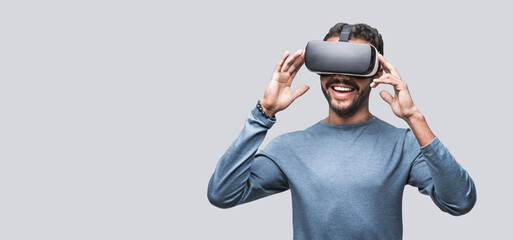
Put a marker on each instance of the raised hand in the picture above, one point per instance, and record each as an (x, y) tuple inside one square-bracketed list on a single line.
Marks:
[(401, 103), (278, 95)]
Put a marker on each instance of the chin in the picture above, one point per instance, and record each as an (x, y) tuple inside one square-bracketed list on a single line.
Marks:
[(346, 108)]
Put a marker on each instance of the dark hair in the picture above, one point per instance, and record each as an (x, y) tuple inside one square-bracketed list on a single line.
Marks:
[(361, 31)]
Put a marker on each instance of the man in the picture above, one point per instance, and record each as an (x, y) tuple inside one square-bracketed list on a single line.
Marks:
[(347, 172)]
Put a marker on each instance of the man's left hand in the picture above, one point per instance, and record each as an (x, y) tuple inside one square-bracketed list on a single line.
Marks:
[(401, 103)]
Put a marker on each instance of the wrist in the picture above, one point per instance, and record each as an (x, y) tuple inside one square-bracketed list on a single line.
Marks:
[(265, 110), (269, 110), (418, 124), (414, 117)]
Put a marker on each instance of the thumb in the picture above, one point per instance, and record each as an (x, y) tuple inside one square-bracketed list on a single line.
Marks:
[(386, 96), (300, 91)]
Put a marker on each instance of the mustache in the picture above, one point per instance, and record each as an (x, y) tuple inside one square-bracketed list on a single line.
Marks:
[(345, 82)]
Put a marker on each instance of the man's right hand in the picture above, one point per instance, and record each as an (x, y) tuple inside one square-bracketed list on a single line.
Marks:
[(277, 94)]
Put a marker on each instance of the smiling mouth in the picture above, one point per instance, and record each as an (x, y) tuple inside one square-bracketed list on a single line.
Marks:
[(342, 89)]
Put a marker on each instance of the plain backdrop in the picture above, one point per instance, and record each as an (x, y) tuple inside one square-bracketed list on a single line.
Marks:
[(113, 114)]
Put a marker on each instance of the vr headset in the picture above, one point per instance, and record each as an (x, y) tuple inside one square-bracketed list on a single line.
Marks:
[(342, 57)]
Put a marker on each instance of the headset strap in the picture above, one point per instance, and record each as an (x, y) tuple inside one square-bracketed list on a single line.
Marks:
[(346, 30)]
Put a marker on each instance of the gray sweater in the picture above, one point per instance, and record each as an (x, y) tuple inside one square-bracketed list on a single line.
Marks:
[(346, 181)]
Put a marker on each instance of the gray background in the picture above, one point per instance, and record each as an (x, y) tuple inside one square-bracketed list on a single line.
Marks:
[(113, 114)]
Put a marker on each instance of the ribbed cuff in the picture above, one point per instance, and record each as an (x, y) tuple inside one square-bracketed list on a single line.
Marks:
[(430, 146), (257, 116)]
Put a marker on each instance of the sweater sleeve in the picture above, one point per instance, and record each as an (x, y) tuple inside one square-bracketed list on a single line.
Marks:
[(436, 173), (241, 177)]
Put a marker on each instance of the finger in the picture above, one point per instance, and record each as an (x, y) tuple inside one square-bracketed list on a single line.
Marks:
[(294, 74), (297, 66), (300, 91), (291, 60), (298, 62), (387, 79), (388, 67), (282, 60), (386, 96)]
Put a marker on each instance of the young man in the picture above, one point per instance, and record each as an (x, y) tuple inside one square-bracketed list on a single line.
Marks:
[(347, 172)]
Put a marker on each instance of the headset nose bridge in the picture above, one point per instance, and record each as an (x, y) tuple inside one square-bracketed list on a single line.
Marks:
[(340, 77)]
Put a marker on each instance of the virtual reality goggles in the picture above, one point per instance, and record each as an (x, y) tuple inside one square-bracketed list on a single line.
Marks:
[(342, 57)]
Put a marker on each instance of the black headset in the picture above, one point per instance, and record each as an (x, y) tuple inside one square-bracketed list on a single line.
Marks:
[(342, 57)]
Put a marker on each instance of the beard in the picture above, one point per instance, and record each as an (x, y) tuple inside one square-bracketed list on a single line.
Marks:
[(360, 98)]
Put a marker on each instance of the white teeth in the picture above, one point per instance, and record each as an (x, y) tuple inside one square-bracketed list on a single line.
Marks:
[(342, 89)]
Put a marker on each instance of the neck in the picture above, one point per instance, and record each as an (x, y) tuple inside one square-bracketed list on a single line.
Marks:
[(361, 115)]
